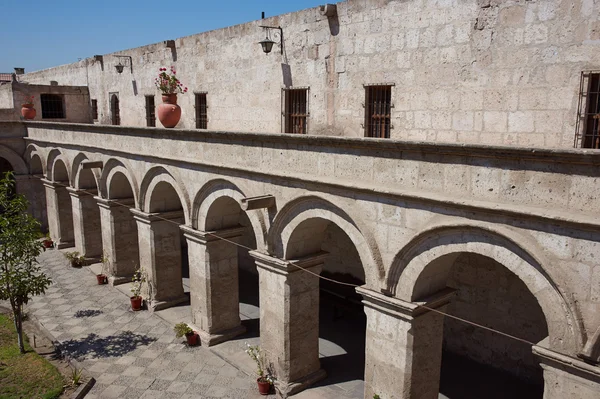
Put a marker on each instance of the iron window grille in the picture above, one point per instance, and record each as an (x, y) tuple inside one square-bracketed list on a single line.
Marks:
[(587, 134), (52, 106), (296, 110), (201, 111), (94, 109), (150, 112), (378, 108), (114, 109)]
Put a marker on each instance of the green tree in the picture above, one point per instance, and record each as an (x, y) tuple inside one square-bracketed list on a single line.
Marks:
[(20, 275)]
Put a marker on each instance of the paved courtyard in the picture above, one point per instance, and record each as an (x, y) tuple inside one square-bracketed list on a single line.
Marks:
[(130, 354)]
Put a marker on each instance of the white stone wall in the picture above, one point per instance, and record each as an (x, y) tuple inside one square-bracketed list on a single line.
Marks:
[(468, 71)]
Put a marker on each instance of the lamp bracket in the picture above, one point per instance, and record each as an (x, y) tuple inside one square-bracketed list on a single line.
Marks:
[(127, 61), (276, 35)]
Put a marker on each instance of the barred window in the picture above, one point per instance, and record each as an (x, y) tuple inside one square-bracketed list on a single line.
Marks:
[(378, 105), (52, 106), (296, 110), (150, 112), (201, 111), (115, 114), (95, 109), (587, 133)]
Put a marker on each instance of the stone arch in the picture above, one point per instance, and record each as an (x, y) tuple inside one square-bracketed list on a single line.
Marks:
[(153, 178), (217, 189), (84, 179), (312, 207), (32, 152), (18, 164), (417, 272), (112, 169), (54, 156)]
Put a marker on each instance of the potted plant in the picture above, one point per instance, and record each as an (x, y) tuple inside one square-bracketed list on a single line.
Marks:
[(27, 110), (47, 242), (169, 112), (102, 277), (182, 329), (139, 278), (75, 259), (265, 377)]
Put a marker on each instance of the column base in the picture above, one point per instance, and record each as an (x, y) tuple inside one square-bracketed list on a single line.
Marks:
[(291, 388), (65, 244), (118, 280), (216, 338), (167, 303)]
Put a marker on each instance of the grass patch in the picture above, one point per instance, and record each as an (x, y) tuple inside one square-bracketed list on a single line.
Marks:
[(28, 375)]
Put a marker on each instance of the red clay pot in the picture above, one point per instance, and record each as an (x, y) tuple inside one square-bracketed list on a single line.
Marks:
[(192, 339), (136, 303), (28, 111), (102, 279), (263, 387), (48, 243), (169, 112)]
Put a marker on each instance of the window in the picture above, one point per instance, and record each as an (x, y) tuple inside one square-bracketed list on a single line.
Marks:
[(587, 134), (201, 111), (95, 109), (295, 110), (52, 106), (150, 112), (115, 116), (378, 105)]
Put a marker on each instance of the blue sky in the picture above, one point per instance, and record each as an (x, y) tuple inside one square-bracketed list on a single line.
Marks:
[(39, 34)]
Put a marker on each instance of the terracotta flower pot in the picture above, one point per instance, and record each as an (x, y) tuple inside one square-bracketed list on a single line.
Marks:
[(264, 387), (136, 303), (192, 339), (102, 279), (48, 243), (28, 111), (169, 112)]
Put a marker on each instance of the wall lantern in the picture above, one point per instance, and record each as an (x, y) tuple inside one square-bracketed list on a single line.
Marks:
[(124, 60), (268, 43)]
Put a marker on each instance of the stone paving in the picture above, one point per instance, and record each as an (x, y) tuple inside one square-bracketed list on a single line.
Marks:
[(130, 354)]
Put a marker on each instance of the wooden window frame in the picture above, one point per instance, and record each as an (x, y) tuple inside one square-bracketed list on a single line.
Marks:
[(53, 106), (587, 125), (150, 110), (295, 112), (201, 109), (378, 110)]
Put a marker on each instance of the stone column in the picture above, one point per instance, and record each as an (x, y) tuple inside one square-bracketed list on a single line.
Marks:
[(86, 223), (566, 376), (403, 346), (60, 213), (119, 238), (214, 292), (160, 256), (289, 319)]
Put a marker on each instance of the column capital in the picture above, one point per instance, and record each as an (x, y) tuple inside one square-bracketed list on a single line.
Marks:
[(149, 218), (114, 203), (402, 309), (281, 266), (54, 184), (568, 364), (80, 192), (205, 237)]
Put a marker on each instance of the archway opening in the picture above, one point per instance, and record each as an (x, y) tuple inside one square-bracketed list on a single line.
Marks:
[(115, 112), (342, 321), (86, 216), (120, 238), (38, 200), (62, 205), (6, 166), (477, 362)]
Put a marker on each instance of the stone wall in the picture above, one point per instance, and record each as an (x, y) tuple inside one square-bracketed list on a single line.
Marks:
[(468, 71)]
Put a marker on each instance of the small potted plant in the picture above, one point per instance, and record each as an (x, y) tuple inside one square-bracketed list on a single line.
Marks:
[(27, 110), (47, 242), (102, 277), (139, 278), (75, 259), (182, 329), (265, 378)]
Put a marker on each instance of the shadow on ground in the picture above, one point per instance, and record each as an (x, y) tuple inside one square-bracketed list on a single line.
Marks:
[(94, 346), (87, 313)]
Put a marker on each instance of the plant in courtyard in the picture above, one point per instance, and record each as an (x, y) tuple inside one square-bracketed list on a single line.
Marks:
[(20, 276), (75, 376), (75, 259), (105, 262), (263, 369), (168, 83), (28, 100), (137, 281), (182, 329)]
